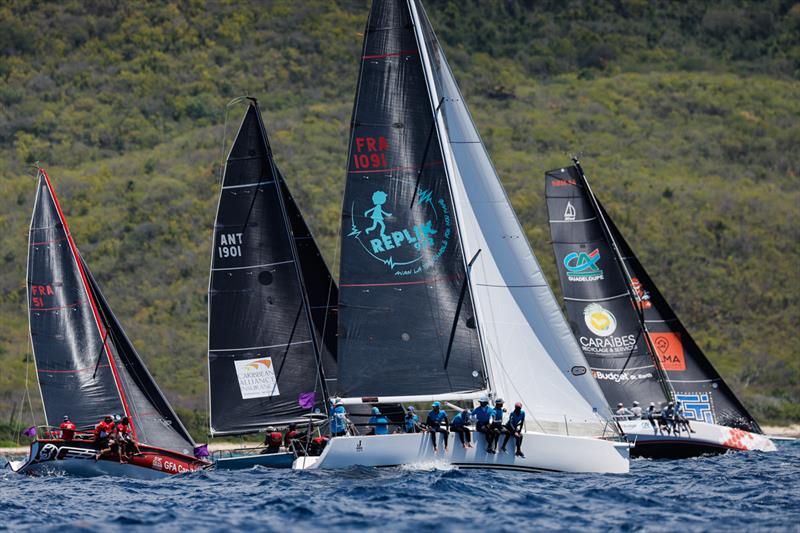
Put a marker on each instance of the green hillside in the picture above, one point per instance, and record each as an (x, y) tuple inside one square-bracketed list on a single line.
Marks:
[(686, 115)]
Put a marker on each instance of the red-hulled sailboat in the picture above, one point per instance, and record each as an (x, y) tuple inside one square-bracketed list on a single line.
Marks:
[(87, 367)]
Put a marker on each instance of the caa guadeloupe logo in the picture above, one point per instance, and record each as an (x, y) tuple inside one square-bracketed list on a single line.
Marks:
[(582, 267), (256, 378), (408, 250)]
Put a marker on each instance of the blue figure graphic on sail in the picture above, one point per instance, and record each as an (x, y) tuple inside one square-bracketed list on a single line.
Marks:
[(378, 198), (405, 247)]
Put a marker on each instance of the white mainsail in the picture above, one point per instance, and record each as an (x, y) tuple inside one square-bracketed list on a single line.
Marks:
[(531, 353)]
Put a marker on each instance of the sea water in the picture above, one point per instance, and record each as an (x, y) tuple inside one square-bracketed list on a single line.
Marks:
[(753, 491)]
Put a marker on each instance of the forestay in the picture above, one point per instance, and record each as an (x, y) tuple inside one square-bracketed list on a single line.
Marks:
[(531, 352), (402, 290), (263, 361)]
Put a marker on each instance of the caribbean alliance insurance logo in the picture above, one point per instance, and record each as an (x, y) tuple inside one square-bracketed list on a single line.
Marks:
[(582, 267), (404, 251)]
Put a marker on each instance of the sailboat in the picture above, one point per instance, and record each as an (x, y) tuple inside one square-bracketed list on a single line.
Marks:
[(87, 367), (440, 296), (271, 306), (637, 347)]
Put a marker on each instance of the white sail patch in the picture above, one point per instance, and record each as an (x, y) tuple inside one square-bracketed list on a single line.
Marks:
[(256, 378)]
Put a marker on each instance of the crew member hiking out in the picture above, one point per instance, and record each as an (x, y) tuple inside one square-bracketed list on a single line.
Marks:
[(514, 426), (483, 418), (104, 436), (460, 425), (650, 414), (668, 417), (379, 423), (125, 444), (496, 425), (436, 419), (67, 428)]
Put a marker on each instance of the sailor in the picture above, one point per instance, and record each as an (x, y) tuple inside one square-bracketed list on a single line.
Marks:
[(104, 435), (668, 417), (124, 440), (514, 426), (664, 419), (273, 440), (460, 425), (379, 423), (411, 424), (292, 435), (67, 428), (680, 417), (497, 422), (338, 418), (622, 412), (436, 419), (317, 444), (483, 418), (636, 411), (650, 414)]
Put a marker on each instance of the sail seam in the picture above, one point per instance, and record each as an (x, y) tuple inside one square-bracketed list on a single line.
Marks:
[(252, 184), (256, 347), (596, 299), (254, 266), (571, 221)]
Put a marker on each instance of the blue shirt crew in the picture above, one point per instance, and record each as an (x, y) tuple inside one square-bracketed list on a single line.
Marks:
[(380, 423), (460, 420), (482, 414), (516, 420), (497, 414), (338, 422), (437, 417)]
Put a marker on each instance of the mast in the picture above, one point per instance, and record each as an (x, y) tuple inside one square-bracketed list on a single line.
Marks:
[(663, 378), (293, 246)]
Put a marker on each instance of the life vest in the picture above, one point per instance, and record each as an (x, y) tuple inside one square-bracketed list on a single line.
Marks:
[(67, 430), (275, 439)]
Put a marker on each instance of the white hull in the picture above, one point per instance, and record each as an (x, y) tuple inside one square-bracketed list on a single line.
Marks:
[(707, 438), (543, 452)]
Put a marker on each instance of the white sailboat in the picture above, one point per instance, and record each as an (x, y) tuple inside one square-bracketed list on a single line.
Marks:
[(441, 297)]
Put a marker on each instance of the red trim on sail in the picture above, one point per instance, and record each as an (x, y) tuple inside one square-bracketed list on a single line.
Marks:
[(74, 250)]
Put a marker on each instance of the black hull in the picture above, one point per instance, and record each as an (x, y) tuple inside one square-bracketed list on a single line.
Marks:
[(676, 449)]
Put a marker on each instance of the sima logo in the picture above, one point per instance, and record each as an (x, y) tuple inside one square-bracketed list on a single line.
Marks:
[(405, 250)]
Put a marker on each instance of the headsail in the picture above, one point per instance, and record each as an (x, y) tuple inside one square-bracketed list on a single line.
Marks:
[(597, 297), (74, 367), (690, 375), (402, 278), (263, 361), (531, 353), (155, 421)]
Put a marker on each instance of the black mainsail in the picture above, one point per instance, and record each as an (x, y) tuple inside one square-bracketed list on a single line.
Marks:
[(624, 303), (269, 337), (65, 327), (406, 318), (86, 365)]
